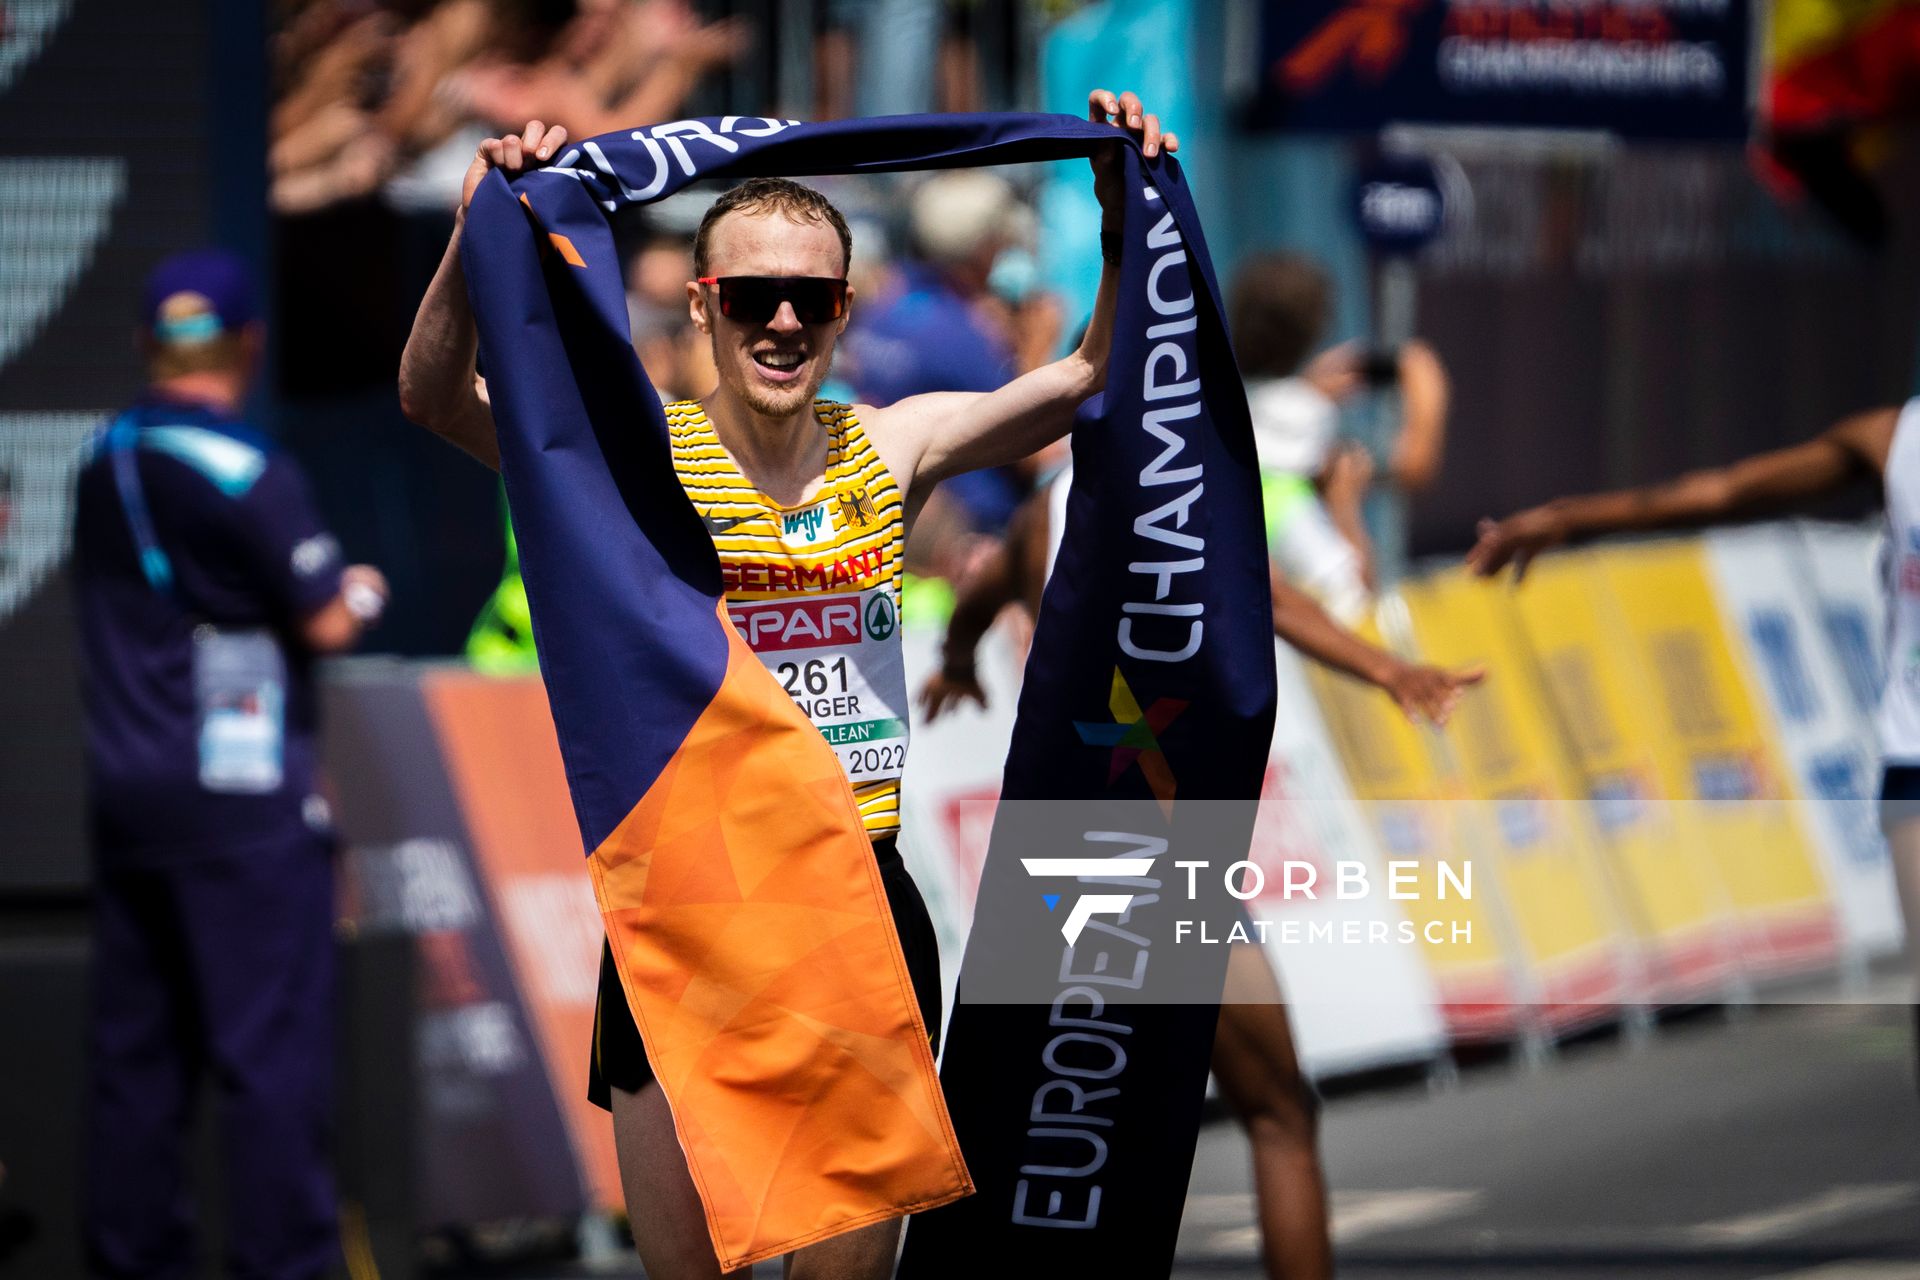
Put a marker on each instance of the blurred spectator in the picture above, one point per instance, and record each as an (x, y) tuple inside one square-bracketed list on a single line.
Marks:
[(1319, 489), (1277, 311), (676, 356), (876, 58), (379, 105), (501, 642), (406, 92), (898, 57), (1394, 402), (939, 326), (206, 586)]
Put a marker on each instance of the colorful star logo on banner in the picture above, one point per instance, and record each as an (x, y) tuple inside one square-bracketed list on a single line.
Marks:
[(1135, 738)]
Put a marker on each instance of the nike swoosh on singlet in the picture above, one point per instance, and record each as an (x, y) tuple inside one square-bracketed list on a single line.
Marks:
[(716, 525)]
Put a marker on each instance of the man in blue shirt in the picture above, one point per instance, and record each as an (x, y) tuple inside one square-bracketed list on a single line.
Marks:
[(206, 586), (934, 333)]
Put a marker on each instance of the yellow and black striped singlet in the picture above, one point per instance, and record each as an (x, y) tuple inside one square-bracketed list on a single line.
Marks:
[(815, 590)]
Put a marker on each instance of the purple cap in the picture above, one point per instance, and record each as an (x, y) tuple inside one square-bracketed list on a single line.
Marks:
[(197, 296)]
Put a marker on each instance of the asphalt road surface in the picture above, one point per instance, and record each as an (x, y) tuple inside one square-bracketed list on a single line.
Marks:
[(1780, 1142)]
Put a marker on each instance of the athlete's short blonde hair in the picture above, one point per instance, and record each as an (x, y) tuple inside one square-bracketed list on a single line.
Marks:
[(772, 195)]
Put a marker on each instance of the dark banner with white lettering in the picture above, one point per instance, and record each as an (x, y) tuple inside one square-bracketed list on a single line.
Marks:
[(1076, 1059), (1639, 68)]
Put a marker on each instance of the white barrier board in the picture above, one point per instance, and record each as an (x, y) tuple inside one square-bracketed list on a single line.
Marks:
[(952, 786), (1841, 563), (1353, 1007), (1760, 578)]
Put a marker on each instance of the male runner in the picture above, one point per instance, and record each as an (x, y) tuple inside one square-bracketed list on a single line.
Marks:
[(1253, 1055), (1880, 443), (809, 503)]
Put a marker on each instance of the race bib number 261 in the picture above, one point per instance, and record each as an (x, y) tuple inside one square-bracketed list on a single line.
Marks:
[(839, 656)]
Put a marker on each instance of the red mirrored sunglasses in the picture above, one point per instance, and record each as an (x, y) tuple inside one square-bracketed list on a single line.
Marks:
[(756, 299)]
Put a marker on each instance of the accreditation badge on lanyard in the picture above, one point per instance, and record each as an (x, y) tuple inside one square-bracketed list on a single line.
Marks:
[(841, 659), (239, 693), (239, 676)]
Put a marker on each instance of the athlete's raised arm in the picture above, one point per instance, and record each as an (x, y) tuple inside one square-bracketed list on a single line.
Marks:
[(1421, 691), (1851, 448), (926, 438), (439, 386)]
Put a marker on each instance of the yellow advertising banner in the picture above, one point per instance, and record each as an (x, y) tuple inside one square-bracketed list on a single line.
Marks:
[(1527, 804), (1714, 751), (1599, 698), (1406, 799)]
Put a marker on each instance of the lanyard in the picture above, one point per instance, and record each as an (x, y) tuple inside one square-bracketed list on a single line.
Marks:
[(123, 437)]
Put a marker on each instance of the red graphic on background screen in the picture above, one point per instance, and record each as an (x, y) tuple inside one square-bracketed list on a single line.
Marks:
[(969, 819), (1370, 37), (447, 979), (1909, 573), (1507, 23)]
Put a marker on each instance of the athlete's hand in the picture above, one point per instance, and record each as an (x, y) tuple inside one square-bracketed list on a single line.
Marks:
[(1335, 372), (1516, 541), (528, 149), (1126, 112), (1430, 692), (947, 689), (1347, 476), (366, 592)]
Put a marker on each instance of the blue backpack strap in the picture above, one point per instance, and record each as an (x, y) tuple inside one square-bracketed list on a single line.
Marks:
[(123, 437)]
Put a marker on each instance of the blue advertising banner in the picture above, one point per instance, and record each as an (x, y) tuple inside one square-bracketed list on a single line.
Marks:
[(1678, 69)]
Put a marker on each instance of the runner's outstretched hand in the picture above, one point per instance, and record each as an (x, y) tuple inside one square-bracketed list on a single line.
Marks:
[(946, 690), (1516, 541), (1430, 692)]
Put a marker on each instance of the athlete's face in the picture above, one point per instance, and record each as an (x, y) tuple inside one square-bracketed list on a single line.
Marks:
[(775, 366)]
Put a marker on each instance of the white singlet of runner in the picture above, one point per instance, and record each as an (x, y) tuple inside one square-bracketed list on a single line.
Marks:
[(1899, 717)]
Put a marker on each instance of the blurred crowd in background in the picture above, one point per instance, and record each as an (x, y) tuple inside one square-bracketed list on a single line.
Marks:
[(378, 108), (1581, 295)]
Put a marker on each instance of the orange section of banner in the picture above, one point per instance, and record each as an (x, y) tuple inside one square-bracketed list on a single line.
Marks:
[(763, 971)]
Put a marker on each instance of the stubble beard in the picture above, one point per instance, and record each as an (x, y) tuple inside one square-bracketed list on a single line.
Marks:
[(779, 402)]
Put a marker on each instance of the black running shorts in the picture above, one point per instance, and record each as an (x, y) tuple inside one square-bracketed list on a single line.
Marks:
[(1899, 796)]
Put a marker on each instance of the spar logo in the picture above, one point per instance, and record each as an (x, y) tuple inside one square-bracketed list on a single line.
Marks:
[(881, 619), (797, 624), (1088, 905)]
